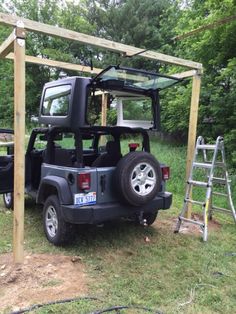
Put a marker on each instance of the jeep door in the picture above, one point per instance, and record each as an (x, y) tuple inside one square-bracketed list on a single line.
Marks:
[(6, 160)]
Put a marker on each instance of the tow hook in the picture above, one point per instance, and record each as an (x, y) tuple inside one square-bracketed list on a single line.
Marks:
[(142, 221)]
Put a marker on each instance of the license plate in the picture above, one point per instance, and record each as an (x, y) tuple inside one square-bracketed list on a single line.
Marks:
[(85, 198)]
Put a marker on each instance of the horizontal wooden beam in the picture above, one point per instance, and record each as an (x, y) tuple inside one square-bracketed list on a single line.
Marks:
[(81, 68), (95, 41), (205, 27), (57, 64), (8, 45), (186, 74)]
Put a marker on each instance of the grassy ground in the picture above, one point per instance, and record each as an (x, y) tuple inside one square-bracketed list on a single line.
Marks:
[(171, 273)]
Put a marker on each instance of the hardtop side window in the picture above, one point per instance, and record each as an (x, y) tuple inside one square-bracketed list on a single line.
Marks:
[(56, 100)]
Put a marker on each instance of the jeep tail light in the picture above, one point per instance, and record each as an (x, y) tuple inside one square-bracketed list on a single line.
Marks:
[(165, 173), (84, 181)]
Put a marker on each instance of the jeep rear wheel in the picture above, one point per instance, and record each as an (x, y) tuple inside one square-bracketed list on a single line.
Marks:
[(138, 178), (56, 229), (8, 200)]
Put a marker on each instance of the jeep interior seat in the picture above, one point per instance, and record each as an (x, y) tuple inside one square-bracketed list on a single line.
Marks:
[(111, 157), (63, 157)]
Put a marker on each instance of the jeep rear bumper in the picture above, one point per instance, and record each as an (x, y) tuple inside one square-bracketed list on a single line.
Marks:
[(108, 211)]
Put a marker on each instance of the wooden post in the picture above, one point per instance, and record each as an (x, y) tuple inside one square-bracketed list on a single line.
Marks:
[(192, 131), (104, 115), (19, 147), (104, 109)]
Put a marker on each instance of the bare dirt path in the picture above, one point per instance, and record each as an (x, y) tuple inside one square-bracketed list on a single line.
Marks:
[(41, 278)]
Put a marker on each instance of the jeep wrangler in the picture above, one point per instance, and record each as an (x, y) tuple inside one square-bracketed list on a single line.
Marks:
[(84, 173)]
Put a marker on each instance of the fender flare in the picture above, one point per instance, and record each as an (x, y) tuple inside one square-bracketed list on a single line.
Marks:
[(60, 184)]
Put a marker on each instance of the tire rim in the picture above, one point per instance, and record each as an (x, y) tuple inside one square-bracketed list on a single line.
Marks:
[(143, 179), (7, 198), (51, 221)]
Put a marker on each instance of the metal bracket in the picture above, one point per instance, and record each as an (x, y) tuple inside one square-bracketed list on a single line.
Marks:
[(20, 30)]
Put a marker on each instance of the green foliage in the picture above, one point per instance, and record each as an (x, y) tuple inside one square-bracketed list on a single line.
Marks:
[(147, 24)]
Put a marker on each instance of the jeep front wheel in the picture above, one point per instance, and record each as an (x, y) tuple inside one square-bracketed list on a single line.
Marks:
[(57, 231), (138, 178)]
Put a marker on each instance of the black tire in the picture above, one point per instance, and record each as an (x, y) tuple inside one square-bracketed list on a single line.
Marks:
[(8, 200), (138, 178), (57, 231)]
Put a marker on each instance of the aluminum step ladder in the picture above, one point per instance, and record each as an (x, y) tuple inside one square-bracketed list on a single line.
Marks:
[(212, 180)]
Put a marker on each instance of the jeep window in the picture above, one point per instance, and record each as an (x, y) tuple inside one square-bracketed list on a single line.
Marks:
[(137, 109), (56, 101), (132, 79), (94, 106)]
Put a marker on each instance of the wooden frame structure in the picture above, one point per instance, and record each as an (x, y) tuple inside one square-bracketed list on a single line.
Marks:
[(16, 42)]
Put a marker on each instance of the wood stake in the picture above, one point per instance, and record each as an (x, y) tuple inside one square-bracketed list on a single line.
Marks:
[(19, 149)]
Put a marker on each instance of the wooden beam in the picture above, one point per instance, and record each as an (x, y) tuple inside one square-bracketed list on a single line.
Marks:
[(86, 69), (205, 27), (192, 131), (95, 41), (19, 149), (104, 109), (186, 74), (57, 64), (7, 46)]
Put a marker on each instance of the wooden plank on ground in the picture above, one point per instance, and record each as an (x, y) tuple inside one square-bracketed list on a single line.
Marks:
[(95, 41), (19, 149)]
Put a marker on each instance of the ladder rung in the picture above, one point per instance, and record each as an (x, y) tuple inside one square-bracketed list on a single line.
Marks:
[(220, 209), (202, 165), (203, 146), (220, 194), (220, 164), (220, 180), (198, 183), (194, 202), (199, 223)]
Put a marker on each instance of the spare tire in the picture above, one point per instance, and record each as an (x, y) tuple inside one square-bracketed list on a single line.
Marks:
[(138, 178)]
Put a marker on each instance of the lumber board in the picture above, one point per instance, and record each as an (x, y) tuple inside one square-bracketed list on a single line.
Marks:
[(95, 41), (19, 149), (7, 46), (57, 64), (192, 130)]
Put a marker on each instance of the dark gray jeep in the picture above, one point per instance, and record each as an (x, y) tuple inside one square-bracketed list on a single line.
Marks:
[(84, 173)]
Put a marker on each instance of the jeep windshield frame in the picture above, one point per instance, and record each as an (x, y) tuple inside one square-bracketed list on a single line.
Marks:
[(129, 79)]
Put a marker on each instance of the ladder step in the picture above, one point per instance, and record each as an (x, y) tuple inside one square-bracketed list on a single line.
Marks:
[(220, 209), (220, 180), (208, 165), (220, 164), (198, 183), (195, 202), (220, 194), (202, 165), (199, 223), (203, 146)]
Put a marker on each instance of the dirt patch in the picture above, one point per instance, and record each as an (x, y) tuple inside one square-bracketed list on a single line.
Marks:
[(186, 227), (41, 278)]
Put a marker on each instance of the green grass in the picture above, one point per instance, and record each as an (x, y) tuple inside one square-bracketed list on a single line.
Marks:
[(161, 274)]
